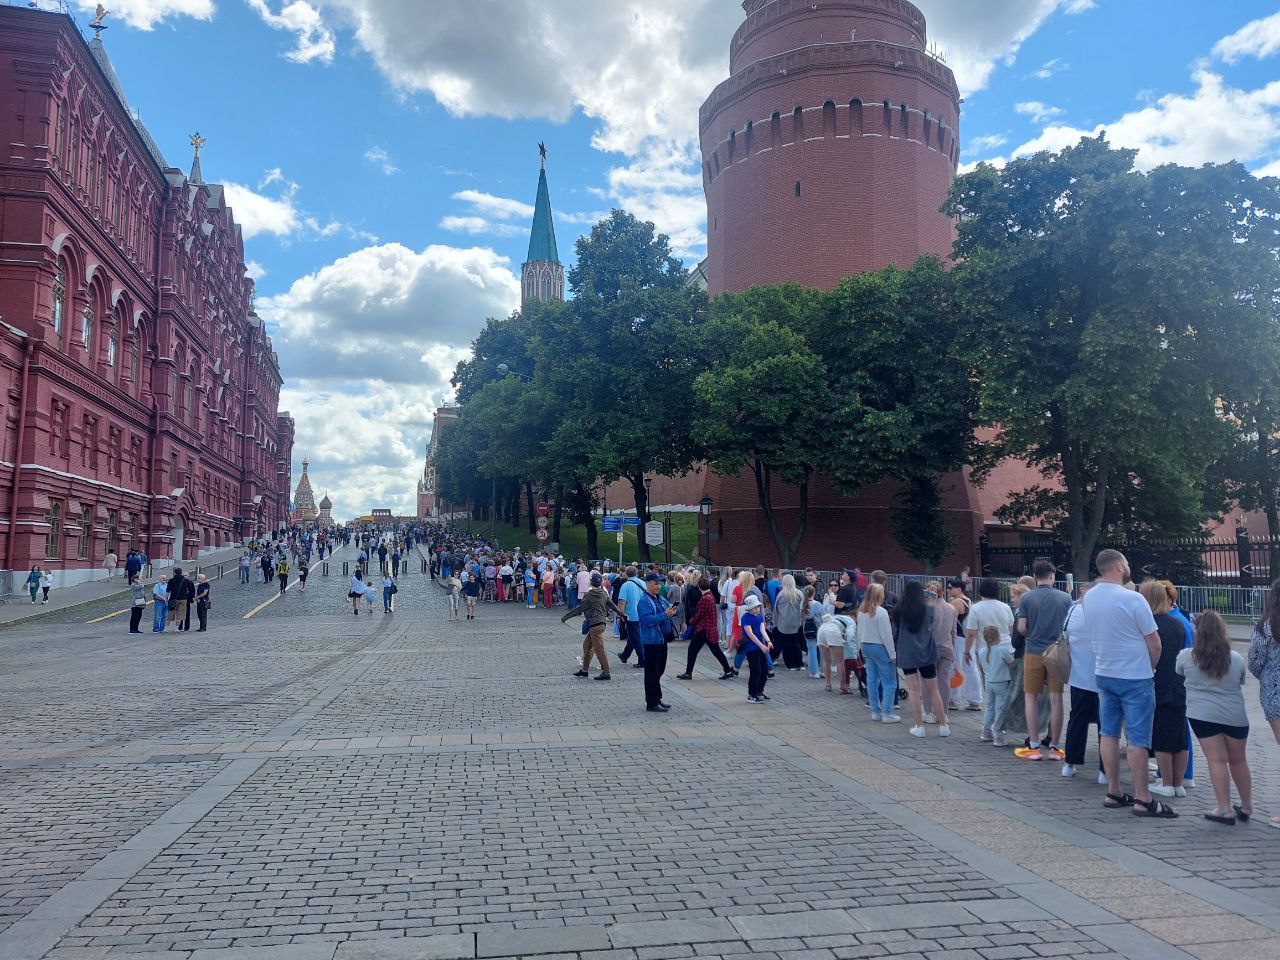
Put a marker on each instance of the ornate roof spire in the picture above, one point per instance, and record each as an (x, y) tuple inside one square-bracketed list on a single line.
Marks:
[(197, 142), (542, 242)]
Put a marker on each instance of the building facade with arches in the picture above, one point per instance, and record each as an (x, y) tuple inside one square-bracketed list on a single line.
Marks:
[(141, 388)]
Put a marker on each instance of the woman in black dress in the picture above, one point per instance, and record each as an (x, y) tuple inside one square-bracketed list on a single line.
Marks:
[(1169, 728)]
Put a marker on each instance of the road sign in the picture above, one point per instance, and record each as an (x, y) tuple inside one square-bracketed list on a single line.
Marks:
[(543, 533), (543, 523), (611, 524), (544, 508), (653, 533), (631, 521), (619, 537)]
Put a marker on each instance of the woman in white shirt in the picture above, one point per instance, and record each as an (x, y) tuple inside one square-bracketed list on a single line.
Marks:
[(1084, 688), (875, 634), (725, 586)]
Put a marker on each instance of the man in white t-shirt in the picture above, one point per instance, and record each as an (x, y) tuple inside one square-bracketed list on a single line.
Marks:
[(1126, 646)]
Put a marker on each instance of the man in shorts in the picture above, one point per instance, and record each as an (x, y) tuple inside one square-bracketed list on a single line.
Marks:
[(1041, 615), (1126, 647)]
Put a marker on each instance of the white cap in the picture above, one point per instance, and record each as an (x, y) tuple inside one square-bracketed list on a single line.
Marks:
[(751, 602)]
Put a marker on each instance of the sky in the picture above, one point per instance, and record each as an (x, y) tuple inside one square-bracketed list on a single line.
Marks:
[(381, 155)]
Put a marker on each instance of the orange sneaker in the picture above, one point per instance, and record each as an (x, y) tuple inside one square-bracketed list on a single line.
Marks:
[(1027, 753), (1054, 753)]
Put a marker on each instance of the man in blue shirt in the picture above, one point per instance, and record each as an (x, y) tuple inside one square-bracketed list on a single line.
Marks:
[(629, 602), (654, 624)]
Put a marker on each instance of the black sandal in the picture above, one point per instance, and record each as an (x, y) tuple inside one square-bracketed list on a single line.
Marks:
[(1240, 814), (1154, 808), (1227, 821), (1117, 803)]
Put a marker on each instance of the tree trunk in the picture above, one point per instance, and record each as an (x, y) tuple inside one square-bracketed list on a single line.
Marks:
[(528, 497), (642, 511), (764, 491), (1084, 520), (580, 510), (513, 510)]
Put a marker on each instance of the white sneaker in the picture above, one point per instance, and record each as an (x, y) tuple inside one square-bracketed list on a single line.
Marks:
[(1179, 791), (875, 716), (1102, 779), (1189, 783), (944, 730), (1153, 767), (891, 718), (1068, 771), (1160, 790), (917, 731), (930, 718)]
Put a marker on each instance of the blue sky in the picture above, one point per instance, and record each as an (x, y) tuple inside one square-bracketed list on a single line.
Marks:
[(382, 154)]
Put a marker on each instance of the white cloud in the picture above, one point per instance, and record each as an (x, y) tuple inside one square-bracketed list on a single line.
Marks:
[(1050, 67), (1215, 124), (258, 213), (380, 158), (982, 144), (980, 35), (365, 441), (1037, 111), (313, 40), (477, 226), (1259, 38), (254, 269), (498, 208), (1272, 169), (386, 312), (145, 14)]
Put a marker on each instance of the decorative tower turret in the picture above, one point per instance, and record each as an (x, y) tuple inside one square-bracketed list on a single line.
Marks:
[(831, 146), (304, 501), (542, 277)]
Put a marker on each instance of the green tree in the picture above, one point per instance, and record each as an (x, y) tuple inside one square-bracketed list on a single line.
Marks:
[(623, 256), (1101, 298)]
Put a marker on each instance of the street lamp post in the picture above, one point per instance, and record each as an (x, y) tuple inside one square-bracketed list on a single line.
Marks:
[(704, 508)]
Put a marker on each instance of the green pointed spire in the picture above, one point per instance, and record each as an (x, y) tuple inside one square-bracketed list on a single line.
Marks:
[(542, 243)]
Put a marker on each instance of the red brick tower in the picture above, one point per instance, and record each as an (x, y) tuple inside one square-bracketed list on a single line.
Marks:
[(828, 152), (831, 146)]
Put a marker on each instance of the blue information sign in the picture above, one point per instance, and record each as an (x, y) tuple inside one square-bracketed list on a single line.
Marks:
[(611, 524), (631, 521)]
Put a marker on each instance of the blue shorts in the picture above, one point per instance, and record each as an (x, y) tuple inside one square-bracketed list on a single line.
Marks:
[(1128, 705)]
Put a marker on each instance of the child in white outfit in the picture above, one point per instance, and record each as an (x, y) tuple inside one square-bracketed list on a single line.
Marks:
[(995, 660)]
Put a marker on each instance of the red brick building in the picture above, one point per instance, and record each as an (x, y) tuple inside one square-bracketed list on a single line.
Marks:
[(827, 153), (141, 388)]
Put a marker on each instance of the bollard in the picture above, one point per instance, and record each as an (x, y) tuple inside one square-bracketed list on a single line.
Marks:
[(324, 569), (345, 571)]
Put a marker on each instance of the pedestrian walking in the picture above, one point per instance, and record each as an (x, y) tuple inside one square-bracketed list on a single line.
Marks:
[(655, 632), (160, 594), (704, 631), (593, 607), (109, 563), (356, 593), (369, 595), (1214, 675), (282, 573), (388, 590), (304, 570), (454, 586), (204, 601), (46, 584), (244, 567), (33, 582), (137, 602)]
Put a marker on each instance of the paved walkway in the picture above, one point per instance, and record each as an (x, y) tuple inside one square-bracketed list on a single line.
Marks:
[(18, 607), (306, 783)]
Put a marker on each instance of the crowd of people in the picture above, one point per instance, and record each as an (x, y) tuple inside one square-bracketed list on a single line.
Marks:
[(1140, 669)]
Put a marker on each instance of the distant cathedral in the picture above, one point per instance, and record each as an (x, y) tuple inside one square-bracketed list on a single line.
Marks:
[(542, 277)]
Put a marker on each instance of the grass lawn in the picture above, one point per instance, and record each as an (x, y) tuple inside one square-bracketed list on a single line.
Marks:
[(573, 539)]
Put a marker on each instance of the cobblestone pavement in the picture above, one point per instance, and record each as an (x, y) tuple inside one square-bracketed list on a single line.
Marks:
[(302, 783)]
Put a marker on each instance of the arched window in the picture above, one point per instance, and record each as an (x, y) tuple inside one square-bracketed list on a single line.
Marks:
[(111, 350), (86, 329), (133, 362), (59, 301)]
